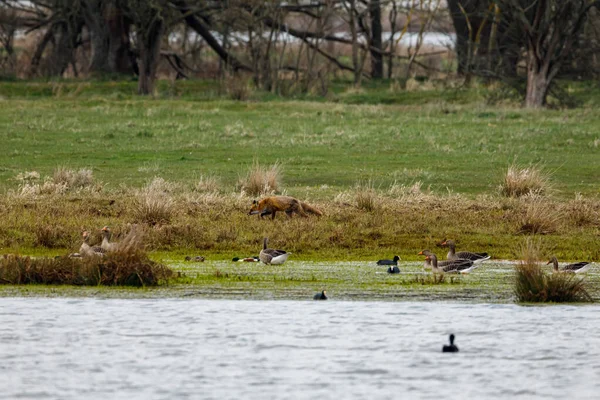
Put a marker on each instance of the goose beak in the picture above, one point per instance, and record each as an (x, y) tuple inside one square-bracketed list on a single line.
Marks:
[(549, 262), (420, 253)]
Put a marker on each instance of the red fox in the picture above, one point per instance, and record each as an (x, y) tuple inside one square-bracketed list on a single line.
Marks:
[(289, 205)]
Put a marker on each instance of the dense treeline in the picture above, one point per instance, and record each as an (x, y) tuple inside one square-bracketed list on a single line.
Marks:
[(301, 44)]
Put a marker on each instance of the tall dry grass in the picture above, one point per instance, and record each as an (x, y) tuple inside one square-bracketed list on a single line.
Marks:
[(154, 203), (62, 181), (262, 180), (125, 267), (366, 197), (540, 216), (521, 181), (534, 285)]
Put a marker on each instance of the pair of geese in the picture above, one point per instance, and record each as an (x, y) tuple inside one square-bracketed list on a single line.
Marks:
[(88, 251), (461, 262)]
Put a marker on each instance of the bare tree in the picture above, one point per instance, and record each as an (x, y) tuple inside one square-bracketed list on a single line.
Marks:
[(149, 18), (551, 29)]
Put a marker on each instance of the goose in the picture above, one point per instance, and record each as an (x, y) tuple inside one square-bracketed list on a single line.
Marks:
[(466, 255), (393, 269), (320, 296), (451, 348), (106, 244), (389, 262), (427, 263), (246, 259), (86, 250), (272, 256), (453, 266), (575, 268)]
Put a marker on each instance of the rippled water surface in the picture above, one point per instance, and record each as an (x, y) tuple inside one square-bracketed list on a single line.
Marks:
[(227, 349)]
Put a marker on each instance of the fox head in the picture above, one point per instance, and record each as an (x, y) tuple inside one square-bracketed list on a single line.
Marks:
[(254, 209)]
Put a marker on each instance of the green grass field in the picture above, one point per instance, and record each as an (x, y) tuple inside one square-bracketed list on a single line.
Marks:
[(448, 140)]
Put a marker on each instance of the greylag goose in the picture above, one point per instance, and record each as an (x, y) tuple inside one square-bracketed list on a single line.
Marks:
[(452, 267), (451, 348), (427, 263), (320, 296), (465, 255), (575, 268), (393, 269), (272, 256), (389, 262), (86, 250), (246, 259), (106, 243)]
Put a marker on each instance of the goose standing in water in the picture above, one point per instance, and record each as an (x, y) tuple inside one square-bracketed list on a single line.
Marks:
[(389, 262), (272, 256), (451, 348), (320, 296), (452, 266), (466, 255), (427, 263), (106, 243), (575, 268)]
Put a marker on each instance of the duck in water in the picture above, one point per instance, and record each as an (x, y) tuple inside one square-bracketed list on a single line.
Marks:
[(389, 262), (393, 270), (320, 296), (451, 348)]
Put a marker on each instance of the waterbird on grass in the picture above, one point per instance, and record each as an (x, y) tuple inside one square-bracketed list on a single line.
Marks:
[(465, 255), (320, 296), (246, 259), (575, 268), (393, 269), (272, 256), (86, 250), (427, 263), (106, 243), (452, 266), (196, 258), (389, 262), (451, 348)]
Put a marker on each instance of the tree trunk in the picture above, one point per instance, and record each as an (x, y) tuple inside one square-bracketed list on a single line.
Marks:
[(538, 83), (119, 47), (149, 48), (376, 42)]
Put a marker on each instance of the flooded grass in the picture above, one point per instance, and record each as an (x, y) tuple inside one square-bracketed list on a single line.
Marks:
[(493, 282)]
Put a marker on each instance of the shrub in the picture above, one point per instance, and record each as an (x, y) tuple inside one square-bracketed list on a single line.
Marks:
[(520, 181), (261, 180), (153, 203), (533, 285)]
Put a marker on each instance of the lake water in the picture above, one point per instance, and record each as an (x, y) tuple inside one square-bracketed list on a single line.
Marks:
[(228, 349)]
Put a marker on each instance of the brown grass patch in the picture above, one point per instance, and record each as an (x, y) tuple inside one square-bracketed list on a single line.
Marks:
[(522, 181), (153, 204), (533, 285), (262, 180), (366, 197), (540, 217), (129, 267)]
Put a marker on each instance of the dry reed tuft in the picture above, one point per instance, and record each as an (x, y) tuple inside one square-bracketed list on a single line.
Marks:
[(366, 197), (539, 217), (582, 211), (208, 184), (73, 179), (153, 204), (125, 267), (533, 285), (519, 181), (261, 180)]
